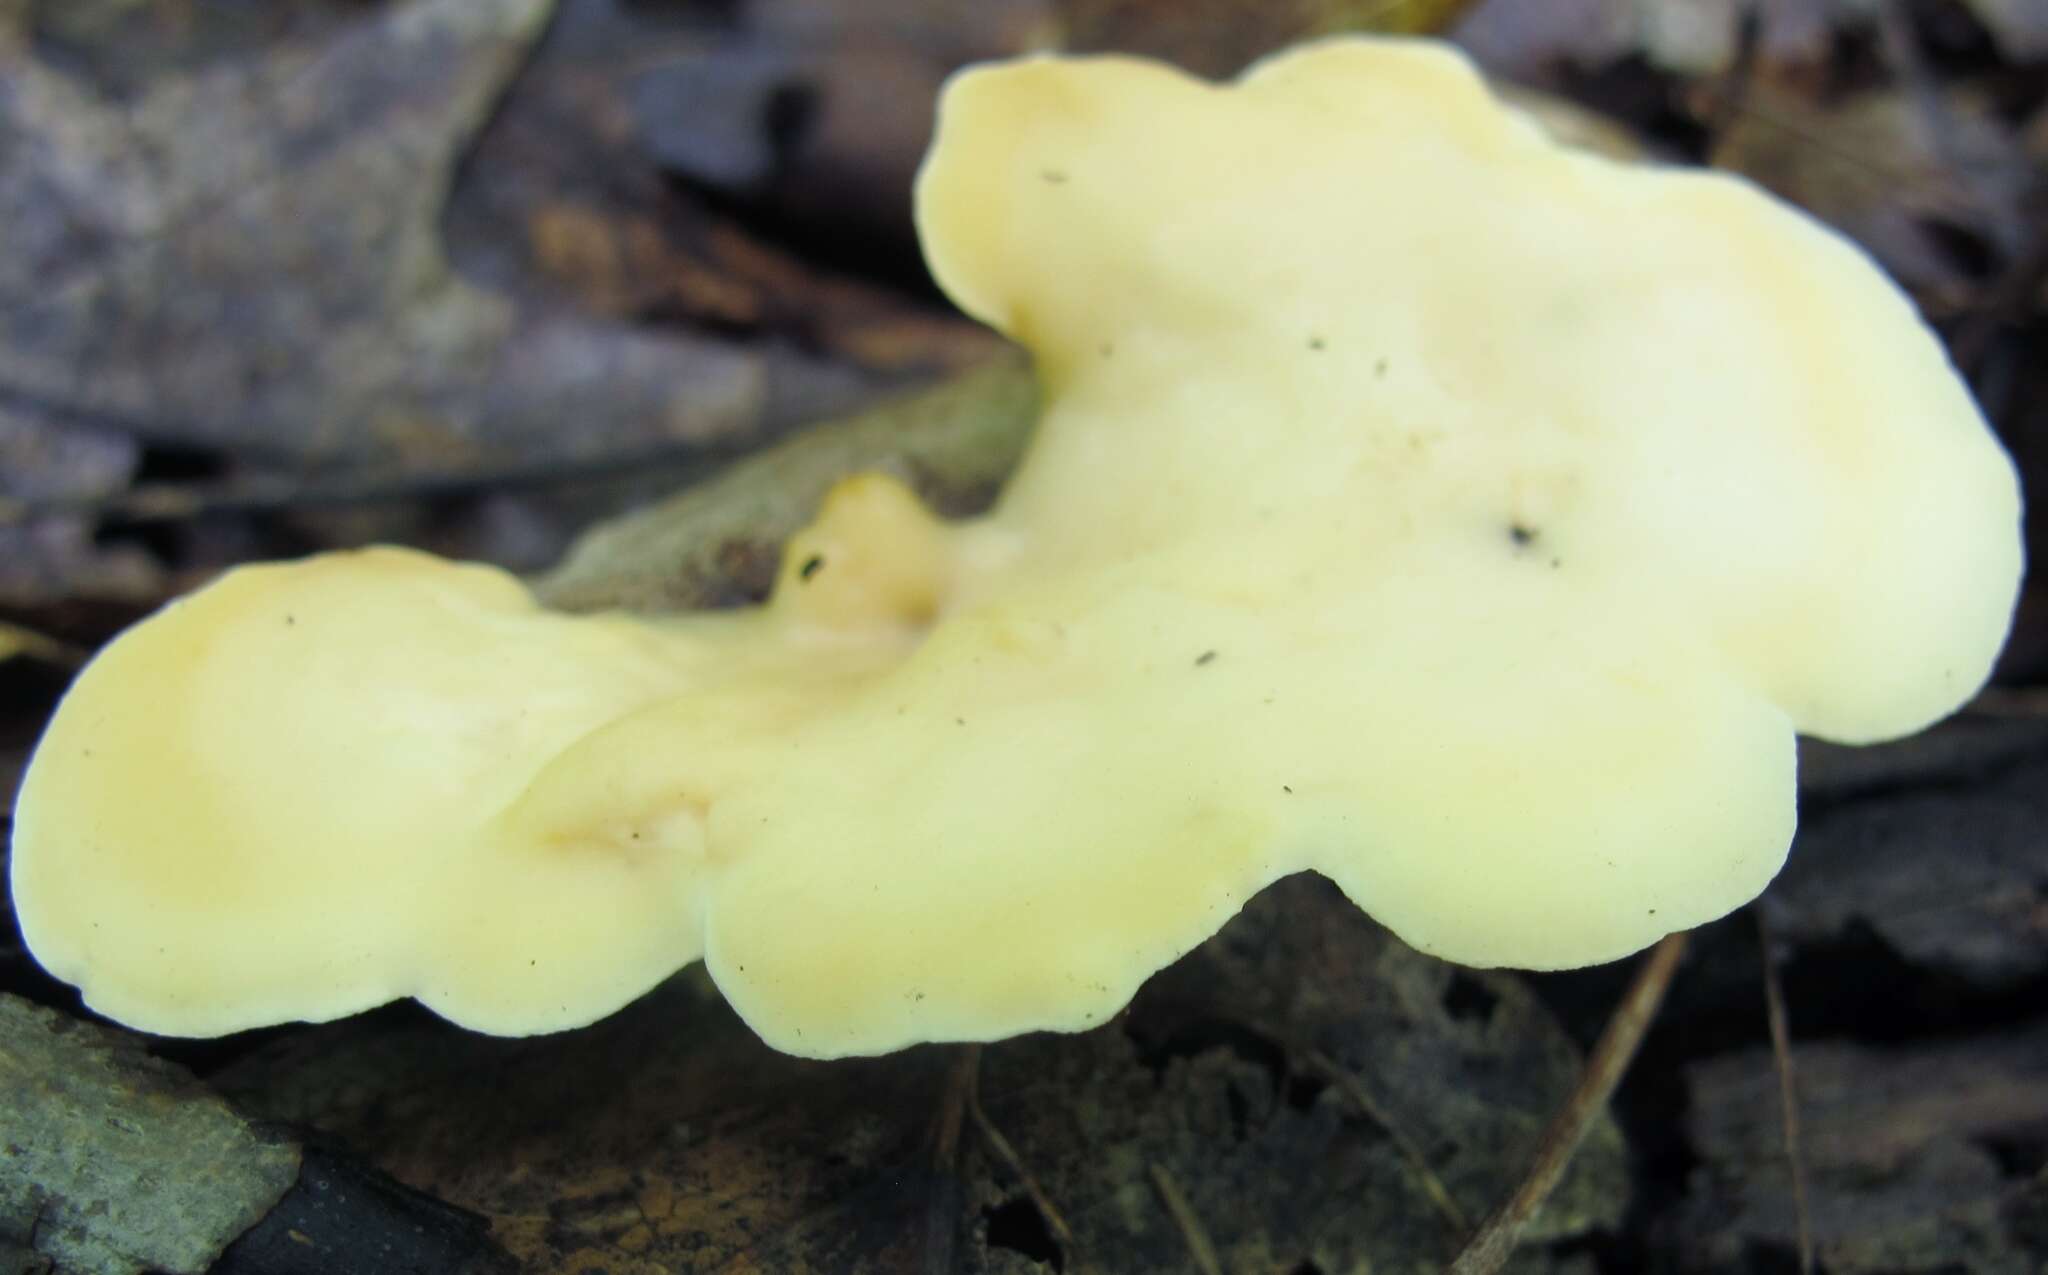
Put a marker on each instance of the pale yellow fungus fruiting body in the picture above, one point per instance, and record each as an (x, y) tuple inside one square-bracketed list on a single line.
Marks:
[(1417, 502)]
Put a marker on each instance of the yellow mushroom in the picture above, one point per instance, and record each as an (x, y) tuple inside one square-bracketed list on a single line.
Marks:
[(1418, 502)]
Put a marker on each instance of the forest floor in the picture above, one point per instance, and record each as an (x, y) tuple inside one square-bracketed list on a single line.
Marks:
[(477, 275)]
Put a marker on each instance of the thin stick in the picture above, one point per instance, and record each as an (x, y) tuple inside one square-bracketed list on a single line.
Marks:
[(1497, 1235), (1728, 101), (1788, 1091), (268, 493), (1200, 1250), (1432, 1185), (1008, 1155), (1902, 50), (942, 1207)]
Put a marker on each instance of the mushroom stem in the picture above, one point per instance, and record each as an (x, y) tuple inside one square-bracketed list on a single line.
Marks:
[(1489, 1248)]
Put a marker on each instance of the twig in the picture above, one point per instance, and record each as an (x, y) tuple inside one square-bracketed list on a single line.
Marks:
[(180, 502), (1200, 1250), (1432, 1185), (1876, 169), (942, 1206), (1902, 50), (1489, 1249), (961, 1081), (1730, 99), (262, 492), (1961, 177), (1788, 1090), (1015, 1163)]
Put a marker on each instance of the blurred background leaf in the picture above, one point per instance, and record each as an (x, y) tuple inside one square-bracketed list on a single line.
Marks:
[(485, 275)]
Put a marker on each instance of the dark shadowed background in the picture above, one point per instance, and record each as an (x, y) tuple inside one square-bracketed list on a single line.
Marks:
[(479, 275)]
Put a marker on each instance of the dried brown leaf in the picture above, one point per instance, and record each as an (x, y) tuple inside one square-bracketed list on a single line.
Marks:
[(245, 256)]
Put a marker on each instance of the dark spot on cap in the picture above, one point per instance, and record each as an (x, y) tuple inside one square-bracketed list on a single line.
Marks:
[(812, 565), (1206, 657), (1522, 534)]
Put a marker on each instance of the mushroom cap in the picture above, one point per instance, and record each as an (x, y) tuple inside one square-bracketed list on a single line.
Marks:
[(1416, 501)]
